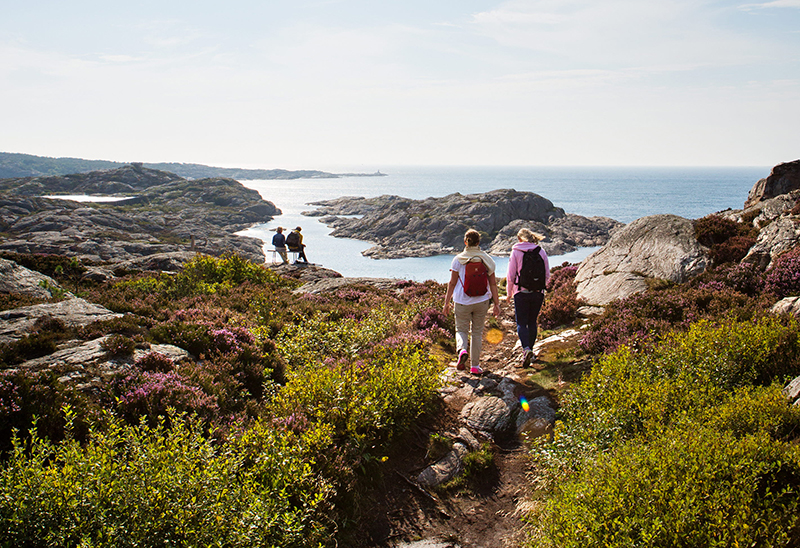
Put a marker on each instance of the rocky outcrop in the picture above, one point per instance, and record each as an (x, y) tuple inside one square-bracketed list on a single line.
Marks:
[(783, 179), (168, 215), (128, 180), (659, 246), (18, 279), (73, 312), (778, 237), (401, 227)]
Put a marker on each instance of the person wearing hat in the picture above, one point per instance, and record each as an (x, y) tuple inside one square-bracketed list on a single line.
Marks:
[(295, 244), (527, 300), (279, 243)]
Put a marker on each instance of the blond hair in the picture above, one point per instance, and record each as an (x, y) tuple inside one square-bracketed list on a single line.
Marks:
[(526, 235)]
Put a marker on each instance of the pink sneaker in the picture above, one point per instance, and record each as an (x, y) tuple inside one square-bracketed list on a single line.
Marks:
[(461, 364), (476, 370)]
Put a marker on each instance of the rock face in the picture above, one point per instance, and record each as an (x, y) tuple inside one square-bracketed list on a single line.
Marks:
[(74, 312), (401, 227), (779, 236), (783, 179), (659, 246), (18, 279), (168, 214)]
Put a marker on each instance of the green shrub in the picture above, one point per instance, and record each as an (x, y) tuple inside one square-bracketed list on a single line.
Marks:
[(687, 488), (141, 486), (689, 443)]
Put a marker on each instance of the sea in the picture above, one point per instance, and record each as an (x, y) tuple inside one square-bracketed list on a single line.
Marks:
[(621, 193)]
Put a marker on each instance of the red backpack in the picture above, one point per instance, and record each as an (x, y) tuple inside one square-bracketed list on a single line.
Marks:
[(476, 278)]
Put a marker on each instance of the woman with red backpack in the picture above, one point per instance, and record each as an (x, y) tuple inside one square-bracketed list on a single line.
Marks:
[(472, 286)]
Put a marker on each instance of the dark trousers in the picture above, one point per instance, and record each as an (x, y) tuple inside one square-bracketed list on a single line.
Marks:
[(526, 311), (300, 253)]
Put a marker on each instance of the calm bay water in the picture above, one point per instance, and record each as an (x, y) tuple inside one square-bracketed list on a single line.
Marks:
[(622, 193)]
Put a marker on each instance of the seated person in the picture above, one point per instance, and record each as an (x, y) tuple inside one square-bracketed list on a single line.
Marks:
[(279, 242), (294, 241)]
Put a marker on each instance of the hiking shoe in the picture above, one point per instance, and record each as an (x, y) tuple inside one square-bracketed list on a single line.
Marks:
[(461, 364), (476, 370), (529, 357)]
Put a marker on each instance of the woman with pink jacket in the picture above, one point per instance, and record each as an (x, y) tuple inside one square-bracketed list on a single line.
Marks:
[(527, 300)]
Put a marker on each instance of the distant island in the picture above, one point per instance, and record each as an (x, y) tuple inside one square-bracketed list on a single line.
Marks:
[(28, 165)]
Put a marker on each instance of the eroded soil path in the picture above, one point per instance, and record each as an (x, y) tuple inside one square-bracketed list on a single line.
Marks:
[(487, 511)]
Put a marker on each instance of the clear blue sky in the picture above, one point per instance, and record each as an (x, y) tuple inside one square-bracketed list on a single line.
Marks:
[(316, 84)]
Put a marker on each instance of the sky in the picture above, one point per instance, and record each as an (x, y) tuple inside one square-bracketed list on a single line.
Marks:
[(313, 84)]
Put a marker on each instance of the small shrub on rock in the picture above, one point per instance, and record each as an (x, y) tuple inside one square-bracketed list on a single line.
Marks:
[(155, 362), (727, 240), (118, 345)]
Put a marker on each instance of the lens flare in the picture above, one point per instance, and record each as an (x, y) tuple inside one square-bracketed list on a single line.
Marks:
[(494, 336), (524, 402)]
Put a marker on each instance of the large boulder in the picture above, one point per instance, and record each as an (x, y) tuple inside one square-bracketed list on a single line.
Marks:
[(15, 278), (783, 179), (655, 247)]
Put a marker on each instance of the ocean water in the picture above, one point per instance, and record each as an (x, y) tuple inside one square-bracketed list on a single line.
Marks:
[(622, 193)]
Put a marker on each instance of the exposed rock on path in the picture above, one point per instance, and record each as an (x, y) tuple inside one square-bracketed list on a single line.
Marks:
[(401, 227), (489, 514)]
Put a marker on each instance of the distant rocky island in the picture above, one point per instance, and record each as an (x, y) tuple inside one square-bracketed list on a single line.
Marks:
[(28, 165), (162, 214), (402, 227)]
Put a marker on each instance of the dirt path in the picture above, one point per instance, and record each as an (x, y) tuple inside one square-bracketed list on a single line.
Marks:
[(487, 512)]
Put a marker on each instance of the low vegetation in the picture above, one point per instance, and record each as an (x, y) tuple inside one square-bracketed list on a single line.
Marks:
[(261, 439), (680, 434)]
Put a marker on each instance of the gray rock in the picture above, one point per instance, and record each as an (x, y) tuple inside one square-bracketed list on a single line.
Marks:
[(788, 305), (18, 279), (490, 415), (792, 391), (169, 214), (469, 439), (401, 227), (445, 469), (539, 417), (73, 355), (779, 236), (158, 262), (73, 312), (782, 179), (659, 246), (175, 353), (325, 285)]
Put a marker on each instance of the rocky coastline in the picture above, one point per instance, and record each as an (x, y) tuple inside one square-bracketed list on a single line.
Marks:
[(402, 227), (162, 214)]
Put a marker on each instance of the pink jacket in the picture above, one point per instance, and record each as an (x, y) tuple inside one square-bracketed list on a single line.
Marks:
[(515, 264)]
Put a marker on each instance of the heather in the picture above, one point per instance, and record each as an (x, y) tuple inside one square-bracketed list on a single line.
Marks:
[(263, 437), (731, 291)]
